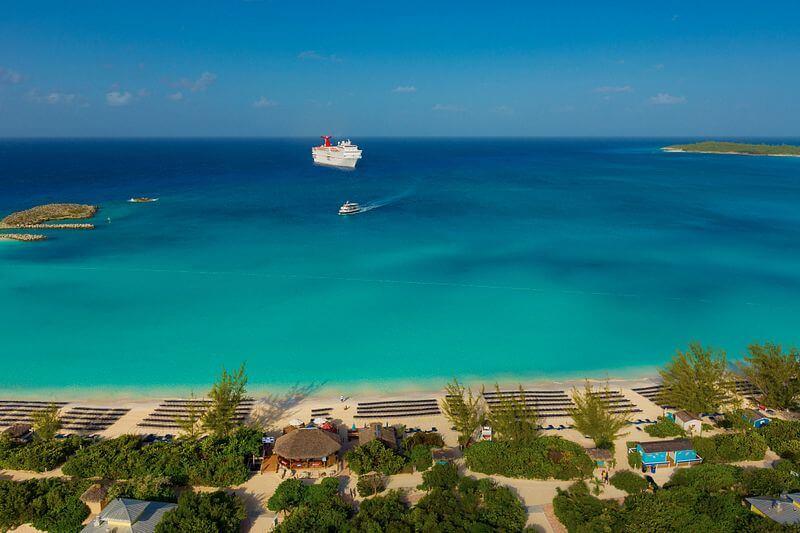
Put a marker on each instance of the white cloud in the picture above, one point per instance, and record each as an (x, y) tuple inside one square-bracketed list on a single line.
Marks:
[(117, 98), (52, 98), (666, 99), (447, 107), (202, 83), (608, 89), (175, 97), (404, 89), (9, 76), (264, 102), (313, 55)]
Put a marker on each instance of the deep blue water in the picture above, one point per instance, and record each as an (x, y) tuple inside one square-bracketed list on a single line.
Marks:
[(494, 257)]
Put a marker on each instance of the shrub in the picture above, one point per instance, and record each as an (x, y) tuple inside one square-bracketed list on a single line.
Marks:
[(433, 440), (731, 447), (707, 477), (420, 456), (374, 456), (147, 487), (442, 476), (629, 481), (51, 504), (779, 435), (214, 461), (39, 455), (382, 513), (664, 428), (370, 485), (542, 458), (320, 508), (214, 511), (579, 511), (634, 458)]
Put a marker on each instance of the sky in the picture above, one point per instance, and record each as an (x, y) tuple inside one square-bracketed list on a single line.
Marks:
[(269, 68)]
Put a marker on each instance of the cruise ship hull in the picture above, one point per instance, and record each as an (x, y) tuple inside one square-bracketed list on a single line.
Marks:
[(335, 161)]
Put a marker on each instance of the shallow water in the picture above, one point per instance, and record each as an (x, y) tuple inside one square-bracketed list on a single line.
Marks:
[(481, 258)]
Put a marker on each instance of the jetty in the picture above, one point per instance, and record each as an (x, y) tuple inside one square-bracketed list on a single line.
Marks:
[(24, 237)]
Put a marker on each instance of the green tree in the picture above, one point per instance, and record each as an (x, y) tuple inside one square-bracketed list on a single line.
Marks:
[(776, 374), (192, 423), (215, 511), (592, 416), (462, 409), (226, 395), (374, 456), (511, 418), (441, 476), (382, 513), (46, 422), (288, 495), (697, 380)]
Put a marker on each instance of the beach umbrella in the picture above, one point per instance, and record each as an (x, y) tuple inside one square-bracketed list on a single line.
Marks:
[(319, 421), (297, 423)]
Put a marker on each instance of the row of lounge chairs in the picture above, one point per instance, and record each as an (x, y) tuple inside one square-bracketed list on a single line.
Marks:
[(20, 411), (91, 418), (170, 413), (397, 409)]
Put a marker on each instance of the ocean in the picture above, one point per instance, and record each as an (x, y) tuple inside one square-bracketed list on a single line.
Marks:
[(501, 259)]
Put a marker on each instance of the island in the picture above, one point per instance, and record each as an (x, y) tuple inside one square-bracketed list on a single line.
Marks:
[(37, 217), (732, 148), (24, 237)]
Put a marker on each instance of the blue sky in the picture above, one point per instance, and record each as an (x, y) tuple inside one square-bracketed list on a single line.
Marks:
[(269, 68)]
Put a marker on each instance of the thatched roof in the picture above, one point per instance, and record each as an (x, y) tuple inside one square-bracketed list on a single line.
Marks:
[(17, 430), (307, 443), (376, 431), (95, 493), (599, 454)]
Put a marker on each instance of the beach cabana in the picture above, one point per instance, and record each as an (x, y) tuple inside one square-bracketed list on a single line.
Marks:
[(687, 421), (307, 448), (755, 418), (19, 432), (95, 497), (602, 458), (375, 431), (666, 453)]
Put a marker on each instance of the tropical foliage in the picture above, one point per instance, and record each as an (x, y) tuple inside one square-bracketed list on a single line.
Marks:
[(50, 504), (697, 380), (511, 419), (374, 456), (731, 447), (774, 372), (145, 487), (462, 409), (214, 511), (739, 148), (543, 458), (370, 484), (664, 428), (226, 395), (39, 455), (593, 417), (311, 507), (783, 437), (46, 423), (628, 481), (213, 461)]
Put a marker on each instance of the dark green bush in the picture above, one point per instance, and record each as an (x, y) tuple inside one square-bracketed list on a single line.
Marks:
[(374, 456), (433, 440), (420, 456), (781, 437), (210, 511), (37, 455), (50, 504), (441, 476), (731, 447), (664, 428), (370, 484), (629, 481), (540, 458)]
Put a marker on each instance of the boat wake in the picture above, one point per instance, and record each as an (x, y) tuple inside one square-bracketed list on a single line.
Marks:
[(385, 201)]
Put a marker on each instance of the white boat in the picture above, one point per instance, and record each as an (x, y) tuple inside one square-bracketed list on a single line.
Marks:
[(344, 155), (142, 200), (349, 208)]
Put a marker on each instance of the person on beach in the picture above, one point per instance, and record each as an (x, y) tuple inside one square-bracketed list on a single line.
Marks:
[(341, 398)]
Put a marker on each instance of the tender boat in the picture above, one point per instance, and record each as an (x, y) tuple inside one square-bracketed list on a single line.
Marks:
[(142, 200), (349, 208)]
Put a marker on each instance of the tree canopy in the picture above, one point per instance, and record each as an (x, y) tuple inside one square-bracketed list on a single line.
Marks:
[(226, 395), (213, 512), (46, 422), (462, 409), (774, 372), (592, 415), (511, 419), (697, 380)]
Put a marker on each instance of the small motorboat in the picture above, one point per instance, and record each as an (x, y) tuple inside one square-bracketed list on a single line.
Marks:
[(349, 208), (142, 200)]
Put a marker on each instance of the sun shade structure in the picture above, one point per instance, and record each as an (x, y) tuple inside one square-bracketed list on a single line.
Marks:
[(307, 448)]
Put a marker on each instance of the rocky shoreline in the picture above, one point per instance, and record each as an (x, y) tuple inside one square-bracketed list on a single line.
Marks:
[(24, 237)]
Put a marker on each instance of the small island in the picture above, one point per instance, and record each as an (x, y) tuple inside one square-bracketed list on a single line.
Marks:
[(38, 216), (732, 148)]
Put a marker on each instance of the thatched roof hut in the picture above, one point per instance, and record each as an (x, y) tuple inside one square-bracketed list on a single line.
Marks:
[(376, 431), (307, 443), (17, 431)]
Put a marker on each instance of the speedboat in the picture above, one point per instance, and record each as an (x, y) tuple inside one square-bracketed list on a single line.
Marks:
[(349, 208), (142, 200)]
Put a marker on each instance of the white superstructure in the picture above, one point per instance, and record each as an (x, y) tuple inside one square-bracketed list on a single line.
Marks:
[(344, 155)]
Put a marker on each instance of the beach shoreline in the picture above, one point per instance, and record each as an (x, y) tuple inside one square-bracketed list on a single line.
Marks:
[(678, 150)]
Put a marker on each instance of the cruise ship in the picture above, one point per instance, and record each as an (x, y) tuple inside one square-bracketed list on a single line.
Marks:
[(349, 208), (344, 155)]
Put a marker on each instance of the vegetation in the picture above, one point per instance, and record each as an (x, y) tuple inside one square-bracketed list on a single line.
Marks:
[(783, 437), (192, 423), (48, 212), (311, 507), (707, 497), (420, 456), (50, 504), (511, 419), (46, 423), (665, 428), (731, 447), (383, 513), (39, 455), (370, 485), (215, 511), (426, 438), (145, 487), (213, 461), (774, 372), (374, 456), (593, 417), (628, 481), (442, 476), (697, 380), (462, 409), (226, 395), (543, 458), (738, 148), (634, 459)]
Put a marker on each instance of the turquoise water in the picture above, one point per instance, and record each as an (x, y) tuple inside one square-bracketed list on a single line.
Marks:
[(488, 258)]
